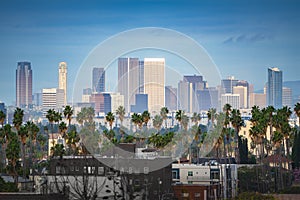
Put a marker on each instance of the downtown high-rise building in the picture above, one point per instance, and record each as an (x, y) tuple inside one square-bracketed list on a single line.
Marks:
[(274, 87), (62, 79), (228, 84), (53, 98), (24, 85), (129, 79), (187, 92), (154, 83), (287, 97), (98, 82)]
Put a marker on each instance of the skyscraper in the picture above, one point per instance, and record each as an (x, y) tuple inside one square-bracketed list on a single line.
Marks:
[(154, 83), (24, 85), (287, 97), (243, 92), (129, 76), (228, 84), (274, 88), (98, 84), (187, 92), (62, 79)]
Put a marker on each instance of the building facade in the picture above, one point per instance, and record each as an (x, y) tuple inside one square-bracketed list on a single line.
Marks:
[(62, 79), (24, 85), (171, 97), (53, 98), (129, 77), (98, 81), (154, 83), (274, 88), (243, 92), (232, 99), (287, 97)]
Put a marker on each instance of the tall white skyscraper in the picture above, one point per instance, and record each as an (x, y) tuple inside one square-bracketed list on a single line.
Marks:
[(62, 79), (129, 80), (154, 83), (53, 98)]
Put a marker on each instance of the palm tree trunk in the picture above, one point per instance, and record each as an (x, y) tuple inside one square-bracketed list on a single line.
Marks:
[(24, 161)]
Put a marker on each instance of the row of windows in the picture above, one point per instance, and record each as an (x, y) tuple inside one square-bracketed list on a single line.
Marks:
[(100, 170)]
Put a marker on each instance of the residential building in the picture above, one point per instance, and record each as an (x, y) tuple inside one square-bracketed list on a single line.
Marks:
[(62, 79), (203, 180), (24, 85), (98, 81), (274, 88), (154, 83)]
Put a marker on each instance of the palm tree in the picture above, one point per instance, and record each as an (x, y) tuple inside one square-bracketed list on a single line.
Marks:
[(68, 113), (121, 113), (196, 118), (42, 141), (50, 116), (269, 115), (137, 120), (72, 139), (18, 118), (110, 118), (237, 122), (57, 117), (164, 114), (211, 114), (62, 127), (2, 117), (13, 153), (32, 130), (58, 150), (185, 121), (23, 134), (146, 117), (157, 122), (178, 115), (297, 111)]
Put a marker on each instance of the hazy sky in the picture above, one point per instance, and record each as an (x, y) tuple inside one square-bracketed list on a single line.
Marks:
[(243, 38)]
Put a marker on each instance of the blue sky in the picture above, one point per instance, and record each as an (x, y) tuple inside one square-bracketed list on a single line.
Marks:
[(243, 38)]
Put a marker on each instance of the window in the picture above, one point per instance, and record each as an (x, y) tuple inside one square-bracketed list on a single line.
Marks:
[(76, 168), (101, 170), (175, 175), (190, 173)]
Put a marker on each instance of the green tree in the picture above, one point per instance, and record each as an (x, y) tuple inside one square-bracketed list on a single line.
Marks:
[(23, 135), (178, 115), (185, 121), (32, 130), (58, 150), (18, 118), (196, 118), (237, 122), (157, 122), (121, 113), (2, 117), (13, 154), (68, 113), (62, 127), (72, 138), (297, 111), (211, 115), (42, 139), (146, 117), (164, 114), (110, 118), (137, 120), (50, 116)]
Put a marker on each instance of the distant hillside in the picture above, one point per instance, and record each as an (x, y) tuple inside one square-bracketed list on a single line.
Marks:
[(294, 85)]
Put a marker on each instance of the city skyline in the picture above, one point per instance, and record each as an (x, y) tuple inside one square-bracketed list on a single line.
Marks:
[(248, 39)]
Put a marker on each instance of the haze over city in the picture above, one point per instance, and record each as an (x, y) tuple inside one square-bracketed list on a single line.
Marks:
[(242, 39)]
